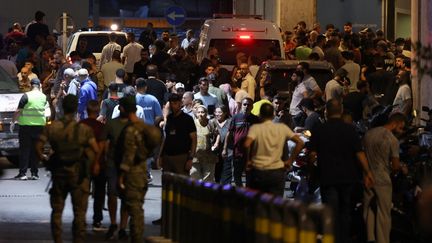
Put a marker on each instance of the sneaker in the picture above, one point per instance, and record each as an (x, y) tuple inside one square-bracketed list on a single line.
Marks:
[(97, 226), (34, 177), (111, 231), (122, 235), (21, 177)]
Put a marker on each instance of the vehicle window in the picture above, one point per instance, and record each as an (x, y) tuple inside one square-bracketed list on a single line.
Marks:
[(281, 78), (7, 84), (95, 43), (228, 48)]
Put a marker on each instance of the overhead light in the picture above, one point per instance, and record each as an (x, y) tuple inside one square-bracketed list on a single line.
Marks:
[(114, 27)]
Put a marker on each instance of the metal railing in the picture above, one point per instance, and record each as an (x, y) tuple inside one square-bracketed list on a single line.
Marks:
[(194, 211)]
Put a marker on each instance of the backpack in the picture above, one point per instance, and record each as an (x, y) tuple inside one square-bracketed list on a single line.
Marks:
[(110, 105), (68, 151)]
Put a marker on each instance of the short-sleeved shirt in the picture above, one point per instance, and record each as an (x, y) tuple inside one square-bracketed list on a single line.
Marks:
[(333, 90), (336, 144), (239, 128), (297, 97), (210, 101), (177, 134), (310, 84), (151, 107), (97, 127), (132, 53), (403, 94), (380, 146), (269, 141)]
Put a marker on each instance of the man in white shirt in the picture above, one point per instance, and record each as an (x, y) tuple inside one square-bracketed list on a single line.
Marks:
[(336, 88), (209, 100), (403, 101), (7, 65), (265, 169), (131, 54), (352, 68), (314, 91), (189, 38), (108, 49)]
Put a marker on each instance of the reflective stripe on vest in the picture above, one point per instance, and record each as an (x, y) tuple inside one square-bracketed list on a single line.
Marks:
[(33, 113)]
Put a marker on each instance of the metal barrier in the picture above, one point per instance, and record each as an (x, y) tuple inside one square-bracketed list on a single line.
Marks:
[(194, 211)]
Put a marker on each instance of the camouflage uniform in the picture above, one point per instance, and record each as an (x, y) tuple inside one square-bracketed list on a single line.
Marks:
[(139, 140), (66, 180)]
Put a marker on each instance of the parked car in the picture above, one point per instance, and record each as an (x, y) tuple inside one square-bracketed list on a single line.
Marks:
[(96, 40), (278, 74), (10, 96)]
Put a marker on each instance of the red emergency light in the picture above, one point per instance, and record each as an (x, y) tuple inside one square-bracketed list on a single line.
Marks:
[(245, 37)]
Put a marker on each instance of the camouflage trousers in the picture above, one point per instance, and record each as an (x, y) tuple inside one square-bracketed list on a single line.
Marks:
[(133, 197), (62, 185)]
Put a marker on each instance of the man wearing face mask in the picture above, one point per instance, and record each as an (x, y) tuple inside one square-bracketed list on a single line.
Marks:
[(382, 152)]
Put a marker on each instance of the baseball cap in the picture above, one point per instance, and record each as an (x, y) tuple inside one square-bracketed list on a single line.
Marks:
[(179, 86), (69, 72), (35, 81), (83, 72)]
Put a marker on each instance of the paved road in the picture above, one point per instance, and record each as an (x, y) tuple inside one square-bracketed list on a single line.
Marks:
[(25, 209)]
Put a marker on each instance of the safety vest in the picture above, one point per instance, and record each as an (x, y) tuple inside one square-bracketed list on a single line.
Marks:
[(33, 113)]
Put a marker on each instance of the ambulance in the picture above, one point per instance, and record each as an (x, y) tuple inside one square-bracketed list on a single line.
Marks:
[(232, 34)]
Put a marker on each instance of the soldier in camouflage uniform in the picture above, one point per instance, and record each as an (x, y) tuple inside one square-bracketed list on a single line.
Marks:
[(138, 140), (71, 178)]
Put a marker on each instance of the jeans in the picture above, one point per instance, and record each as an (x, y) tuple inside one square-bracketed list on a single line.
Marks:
[(270, 181), (338, 197), (28, 135)]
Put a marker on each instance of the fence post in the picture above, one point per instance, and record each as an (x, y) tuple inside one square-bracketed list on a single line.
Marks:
[(276, 220), (293, 212), (262, 219)]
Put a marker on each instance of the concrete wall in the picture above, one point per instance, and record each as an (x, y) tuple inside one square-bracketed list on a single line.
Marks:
[(293, 11), (285, 13), (362, 13), (22, 11)]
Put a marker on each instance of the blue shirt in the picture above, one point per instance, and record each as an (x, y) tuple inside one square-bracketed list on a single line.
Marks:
[(88, 91), (151, 107)]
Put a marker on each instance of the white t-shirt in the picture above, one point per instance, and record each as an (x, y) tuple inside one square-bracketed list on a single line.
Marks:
[(310, 84), (132, 53), (139, 112), (403, 94), (269, 141), (297, 98), (333, 90)]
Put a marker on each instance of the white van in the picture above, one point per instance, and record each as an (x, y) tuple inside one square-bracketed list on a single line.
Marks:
[(96, 40), (230, 36)]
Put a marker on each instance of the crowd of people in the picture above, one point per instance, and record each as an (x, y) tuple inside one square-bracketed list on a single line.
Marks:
[(151, 104)]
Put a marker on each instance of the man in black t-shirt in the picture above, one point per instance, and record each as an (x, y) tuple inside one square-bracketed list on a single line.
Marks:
[(180, 142), (337, 148)]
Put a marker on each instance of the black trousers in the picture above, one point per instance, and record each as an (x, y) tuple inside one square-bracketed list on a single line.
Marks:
[(28, 136)]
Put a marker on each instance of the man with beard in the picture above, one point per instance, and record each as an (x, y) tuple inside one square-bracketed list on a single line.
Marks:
[(382, 151)]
